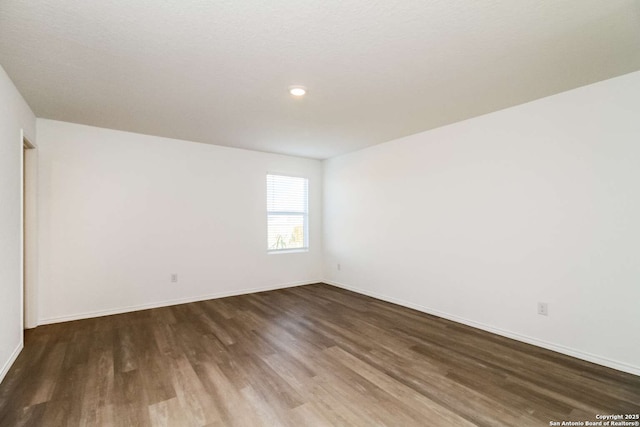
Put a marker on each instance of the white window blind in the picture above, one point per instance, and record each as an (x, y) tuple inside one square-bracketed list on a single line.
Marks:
[(287, 213)]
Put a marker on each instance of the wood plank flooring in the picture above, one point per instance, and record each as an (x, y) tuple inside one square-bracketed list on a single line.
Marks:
[(312, 355)]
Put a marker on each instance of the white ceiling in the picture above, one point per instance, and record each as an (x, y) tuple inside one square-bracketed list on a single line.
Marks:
[(218, 71)]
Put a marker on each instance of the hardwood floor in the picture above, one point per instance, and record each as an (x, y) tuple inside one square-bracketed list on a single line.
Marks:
[(312, 355)]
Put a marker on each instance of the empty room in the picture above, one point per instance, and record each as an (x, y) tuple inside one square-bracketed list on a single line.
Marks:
[(320, 213)]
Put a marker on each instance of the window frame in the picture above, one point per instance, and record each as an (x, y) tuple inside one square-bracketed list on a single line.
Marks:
[(305, 216)]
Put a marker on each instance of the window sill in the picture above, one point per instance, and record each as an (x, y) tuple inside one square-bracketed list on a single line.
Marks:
[(287, 251)]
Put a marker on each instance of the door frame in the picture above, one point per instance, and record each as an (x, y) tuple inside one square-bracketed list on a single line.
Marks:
[(28, 233)]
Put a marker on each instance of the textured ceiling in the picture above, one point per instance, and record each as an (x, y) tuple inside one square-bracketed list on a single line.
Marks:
[(218, 71)]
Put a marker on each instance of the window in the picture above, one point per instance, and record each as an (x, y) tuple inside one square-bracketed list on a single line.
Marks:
[(287, 213)]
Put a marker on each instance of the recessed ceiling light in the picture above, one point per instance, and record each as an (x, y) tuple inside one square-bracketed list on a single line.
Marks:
[(297, 90)]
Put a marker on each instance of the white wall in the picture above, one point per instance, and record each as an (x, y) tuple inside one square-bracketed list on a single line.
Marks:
[(480, 220), (120, 212), (15, 115)]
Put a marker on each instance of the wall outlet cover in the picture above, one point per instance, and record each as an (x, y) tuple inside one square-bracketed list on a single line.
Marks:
[(543, 309)]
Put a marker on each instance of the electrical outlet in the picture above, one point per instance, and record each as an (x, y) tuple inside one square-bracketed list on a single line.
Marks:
[(543, 309), (174, 277), (339, 267)]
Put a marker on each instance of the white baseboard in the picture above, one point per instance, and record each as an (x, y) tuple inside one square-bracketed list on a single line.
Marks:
[(128, 309), (620, 366), (9, 363)]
